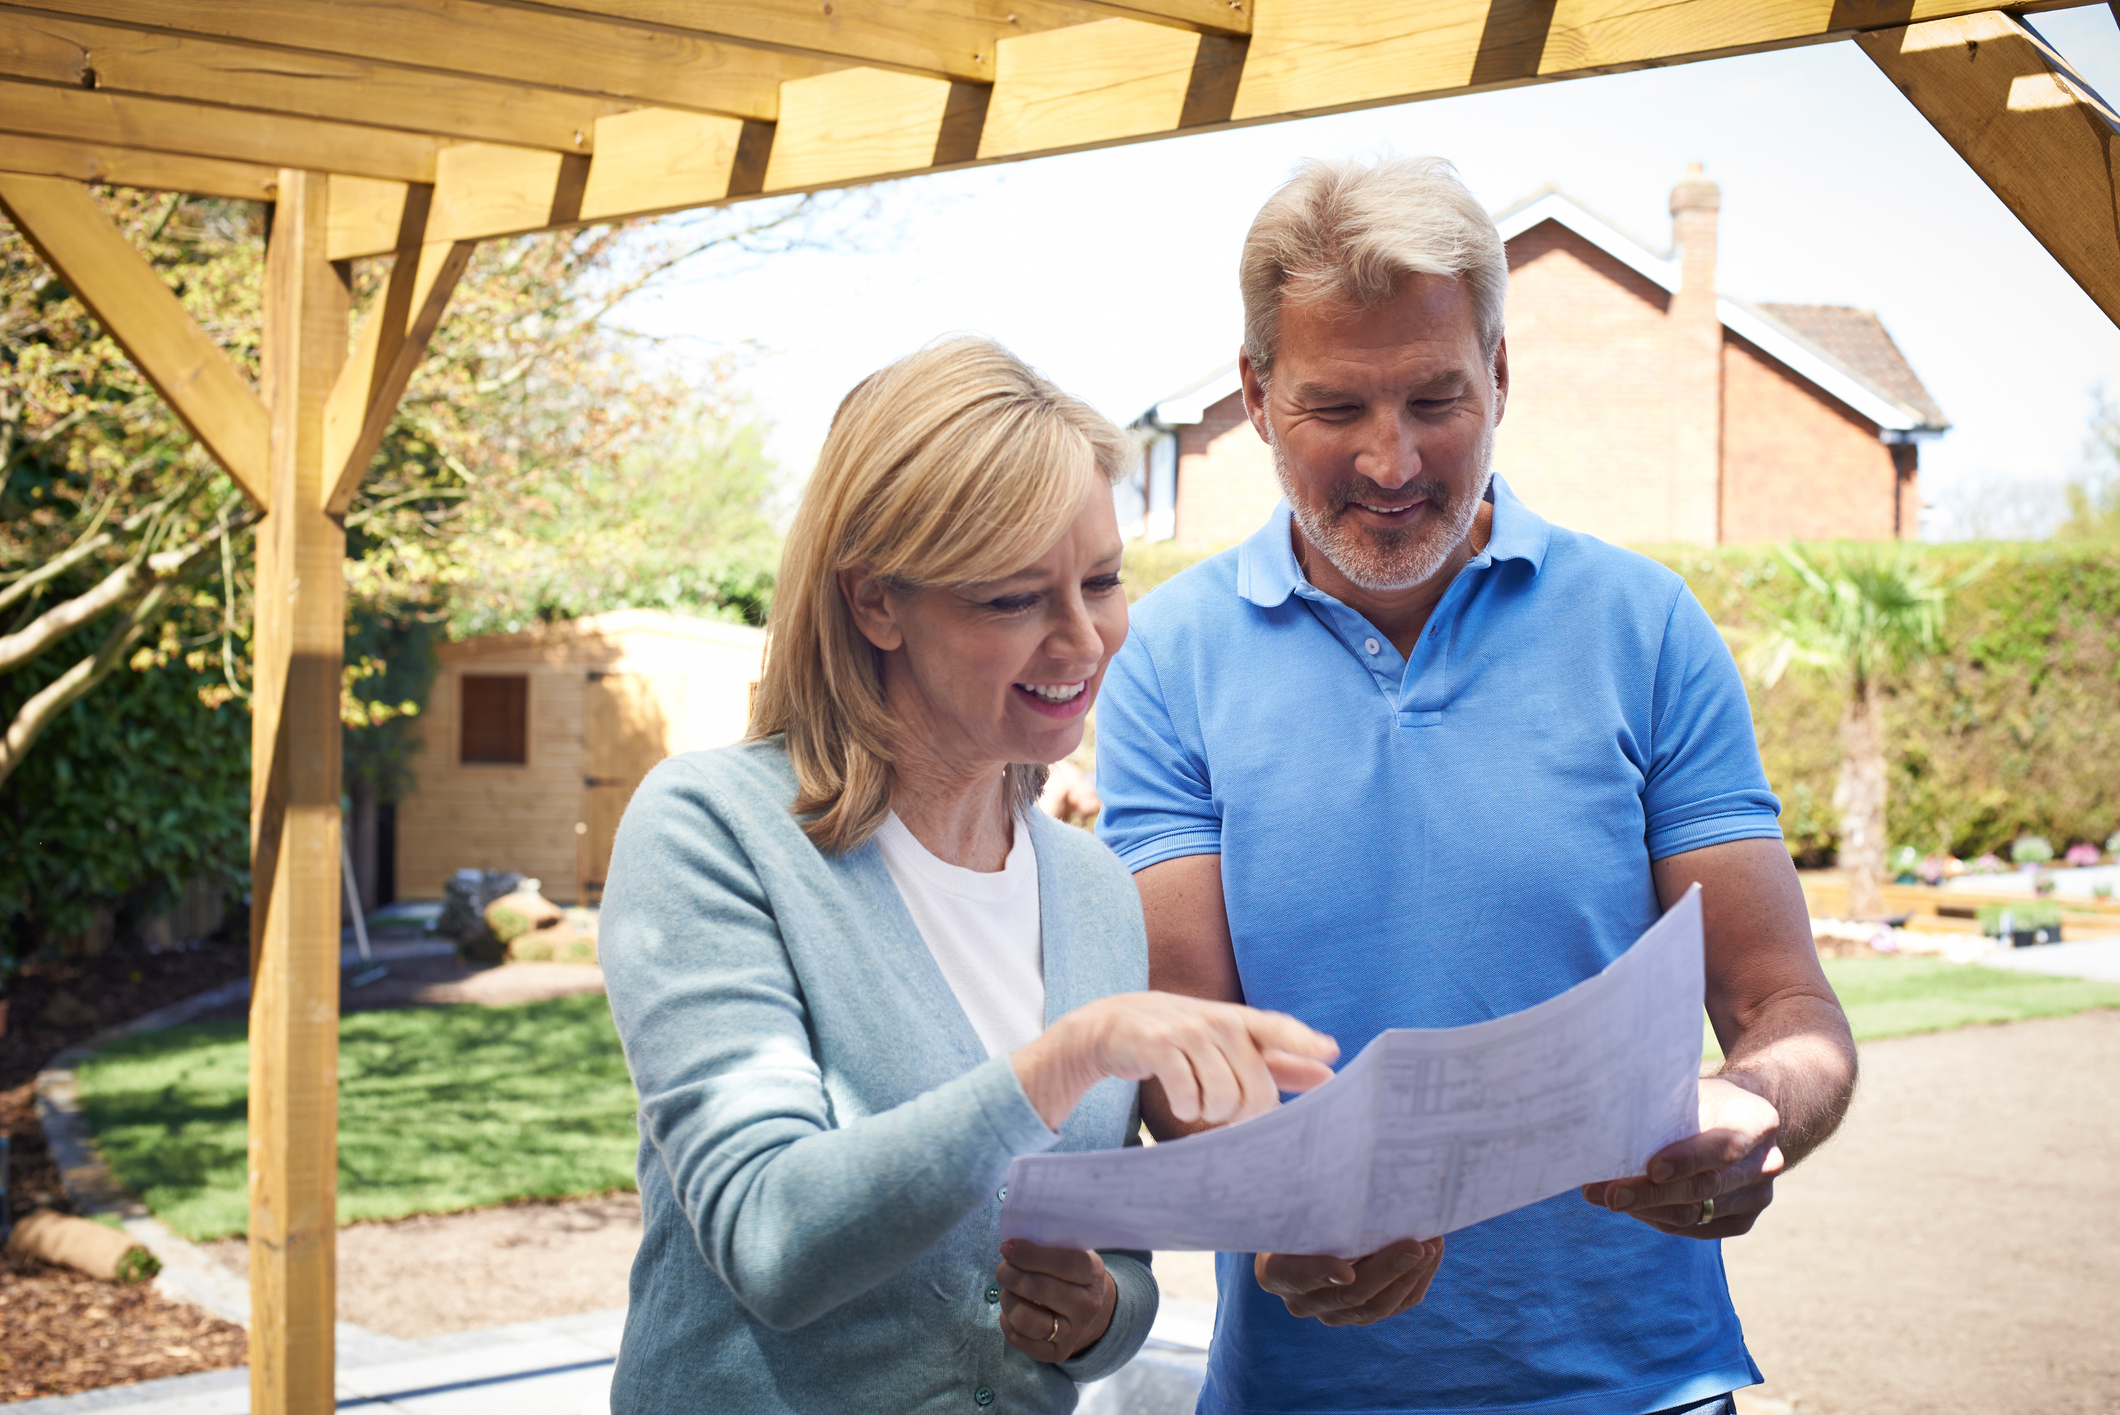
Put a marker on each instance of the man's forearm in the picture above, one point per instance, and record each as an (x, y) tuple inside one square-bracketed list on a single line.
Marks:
[(1799, 1055)]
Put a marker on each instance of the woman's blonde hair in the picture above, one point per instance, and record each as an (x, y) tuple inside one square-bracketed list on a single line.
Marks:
[(954, 465)]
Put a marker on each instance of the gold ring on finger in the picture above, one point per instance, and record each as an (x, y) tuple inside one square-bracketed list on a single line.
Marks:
[(1054, 1339), (1707, 1214)]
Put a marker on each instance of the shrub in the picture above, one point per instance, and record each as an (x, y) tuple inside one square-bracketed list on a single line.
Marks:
[(2023, 917)]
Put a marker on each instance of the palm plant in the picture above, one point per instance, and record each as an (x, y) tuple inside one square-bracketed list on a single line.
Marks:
[(1857, 614)]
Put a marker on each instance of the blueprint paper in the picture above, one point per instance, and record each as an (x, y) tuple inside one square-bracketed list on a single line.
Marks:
[(1424, 1133)]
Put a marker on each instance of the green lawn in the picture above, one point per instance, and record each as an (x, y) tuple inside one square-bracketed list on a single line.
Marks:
[(1893, 997), (455, 1107), (439, 1109)]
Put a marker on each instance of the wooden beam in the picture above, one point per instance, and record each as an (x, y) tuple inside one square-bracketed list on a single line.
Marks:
[(2027, 123), (116, 59), (190, 129), (1097, 83), (857, 125), (294, 997), (647, 161), (1203, 16), (951, 39), (366, 216), (129, 299), (542, 47), (392, 341), (128, 167), (1321, 56), (653, 159)]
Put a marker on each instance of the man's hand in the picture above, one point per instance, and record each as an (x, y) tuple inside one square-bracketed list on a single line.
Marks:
[(1054, 1301), (1344, 1292), (1732, 1161)]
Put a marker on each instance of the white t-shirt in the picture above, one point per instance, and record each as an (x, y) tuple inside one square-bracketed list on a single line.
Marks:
[(982, 929)]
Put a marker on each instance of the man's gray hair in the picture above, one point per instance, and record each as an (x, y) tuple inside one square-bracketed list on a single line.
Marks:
[(1349, 233)]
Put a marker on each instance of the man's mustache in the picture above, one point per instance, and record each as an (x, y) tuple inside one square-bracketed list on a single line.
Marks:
[(1345, 493)]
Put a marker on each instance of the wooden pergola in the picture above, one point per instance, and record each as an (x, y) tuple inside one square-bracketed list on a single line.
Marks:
[(413, 129)]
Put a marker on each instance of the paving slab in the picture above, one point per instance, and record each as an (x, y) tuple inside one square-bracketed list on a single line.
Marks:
[(2097, 959)]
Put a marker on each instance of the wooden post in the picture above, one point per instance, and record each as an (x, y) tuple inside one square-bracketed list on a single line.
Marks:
[(294, 929)]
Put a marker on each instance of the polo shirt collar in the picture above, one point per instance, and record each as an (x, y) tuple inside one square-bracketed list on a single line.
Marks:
[(1267, 573)]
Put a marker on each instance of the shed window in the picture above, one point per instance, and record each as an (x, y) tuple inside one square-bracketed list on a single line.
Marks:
[(496, 719)]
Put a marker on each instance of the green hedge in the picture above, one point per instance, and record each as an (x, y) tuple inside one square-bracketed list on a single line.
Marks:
[(2013, 727)]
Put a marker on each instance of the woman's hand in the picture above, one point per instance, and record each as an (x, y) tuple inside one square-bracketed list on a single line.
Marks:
[(1054, 1301), (1217, 1061)]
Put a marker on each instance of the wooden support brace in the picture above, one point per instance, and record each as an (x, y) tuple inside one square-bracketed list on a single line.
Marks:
[(294, 1007), (207, 392), (2028, 124), (392, 341)]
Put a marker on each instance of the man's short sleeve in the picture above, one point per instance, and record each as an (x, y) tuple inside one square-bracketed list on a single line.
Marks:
[(1158, 798), (1704, 785)]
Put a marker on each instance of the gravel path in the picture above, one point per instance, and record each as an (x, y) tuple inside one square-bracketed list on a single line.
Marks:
[(1952, 1249)]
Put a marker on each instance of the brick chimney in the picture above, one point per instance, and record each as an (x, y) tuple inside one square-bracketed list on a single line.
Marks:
[(1696, 365)]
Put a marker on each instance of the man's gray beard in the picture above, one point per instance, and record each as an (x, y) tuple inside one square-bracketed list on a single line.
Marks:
[(1384, 561)]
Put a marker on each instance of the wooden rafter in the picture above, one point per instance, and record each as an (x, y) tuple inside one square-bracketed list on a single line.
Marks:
[(544, 47), (130, 167), (2028, 124), (152, 64), (125, 294), (225, 134)]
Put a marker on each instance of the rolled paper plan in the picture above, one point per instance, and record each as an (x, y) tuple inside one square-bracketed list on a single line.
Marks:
[(1426, 1132)]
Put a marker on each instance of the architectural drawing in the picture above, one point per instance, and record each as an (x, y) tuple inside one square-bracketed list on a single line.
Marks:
[(1424, 1133)]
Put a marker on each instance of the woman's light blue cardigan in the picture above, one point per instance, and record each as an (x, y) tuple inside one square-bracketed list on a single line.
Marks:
[(823, 1137)]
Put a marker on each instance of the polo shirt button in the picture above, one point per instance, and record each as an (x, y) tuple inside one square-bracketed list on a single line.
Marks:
[(982, 1396), (1372, 645), (993, 1294)]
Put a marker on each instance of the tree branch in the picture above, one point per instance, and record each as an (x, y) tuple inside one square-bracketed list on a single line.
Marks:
[(63, 691), (114, 589)]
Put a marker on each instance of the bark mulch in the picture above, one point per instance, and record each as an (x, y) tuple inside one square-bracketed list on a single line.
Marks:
[(60, 1331)]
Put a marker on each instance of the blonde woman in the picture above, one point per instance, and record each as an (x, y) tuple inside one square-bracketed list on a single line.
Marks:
[(857, 974)]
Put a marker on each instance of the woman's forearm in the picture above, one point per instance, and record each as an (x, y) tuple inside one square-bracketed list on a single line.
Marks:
[(800, 1223)]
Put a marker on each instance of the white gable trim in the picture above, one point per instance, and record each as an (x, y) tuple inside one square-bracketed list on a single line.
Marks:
[(1559, 206), (1801, 356), (1744, 320)]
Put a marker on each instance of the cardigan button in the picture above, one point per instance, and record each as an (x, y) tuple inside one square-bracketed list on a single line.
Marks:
[(993, 1295), (1003, 1195), (982, 1396)]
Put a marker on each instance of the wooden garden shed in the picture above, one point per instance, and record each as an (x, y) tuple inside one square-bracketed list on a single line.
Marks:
[(532, 743), (409, 130)]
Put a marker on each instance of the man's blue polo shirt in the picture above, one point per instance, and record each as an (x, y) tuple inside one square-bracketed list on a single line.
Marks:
[(1428, 843)]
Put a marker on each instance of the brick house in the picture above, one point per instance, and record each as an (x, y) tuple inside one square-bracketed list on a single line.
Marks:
[(1645, 407)]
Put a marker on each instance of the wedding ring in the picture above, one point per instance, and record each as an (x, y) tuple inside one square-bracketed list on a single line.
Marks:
[(1054, 1339), (1707, 1213)]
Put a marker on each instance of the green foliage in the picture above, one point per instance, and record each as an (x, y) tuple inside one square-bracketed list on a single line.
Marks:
[(1893, 997), (2028, 915), (1896, 997), (1856, 612), (2030, 850), (133, 791), (440, 1109), (2012, 725), (679, 523)]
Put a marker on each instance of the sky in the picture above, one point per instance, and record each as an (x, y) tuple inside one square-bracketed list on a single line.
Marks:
[(1114, 272)]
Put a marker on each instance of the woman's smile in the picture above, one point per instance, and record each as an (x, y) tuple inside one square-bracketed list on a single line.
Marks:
[(1056, 699)]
